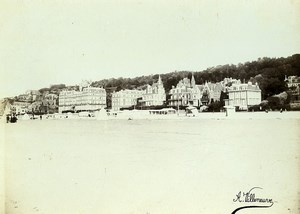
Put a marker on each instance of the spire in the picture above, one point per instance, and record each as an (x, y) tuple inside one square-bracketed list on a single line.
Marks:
[(159, 80), (193, 82)]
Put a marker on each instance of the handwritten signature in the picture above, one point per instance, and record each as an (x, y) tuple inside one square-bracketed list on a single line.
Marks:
[(250, 197)]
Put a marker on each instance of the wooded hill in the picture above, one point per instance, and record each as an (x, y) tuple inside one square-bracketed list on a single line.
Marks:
[(269, 73)]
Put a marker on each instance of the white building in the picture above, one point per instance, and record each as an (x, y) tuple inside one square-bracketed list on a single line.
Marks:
[(20, 107), (185, 93), (89, 99), (243, 95), (125, 98), (154, 95), (51, 96)]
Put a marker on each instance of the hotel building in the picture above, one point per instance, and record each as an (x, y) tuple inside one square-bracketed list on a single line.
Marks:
[(125, 99), (243, 95), (88, 99)]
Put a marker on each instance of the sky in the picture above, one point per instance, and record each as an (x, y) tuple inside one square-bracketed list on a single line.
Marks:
[(64, 41)]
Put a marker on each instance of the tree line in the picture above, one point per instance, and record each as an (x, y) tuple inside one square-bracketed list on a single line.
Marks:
[(269, 73)]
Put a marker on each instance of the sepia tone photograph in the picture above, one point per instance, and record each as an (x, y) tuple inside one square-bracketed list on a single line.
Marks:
[(149, 107)]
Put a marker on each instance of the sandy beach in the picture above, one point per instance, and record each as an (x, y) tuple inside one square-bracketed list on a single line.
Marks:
[(188, 165)]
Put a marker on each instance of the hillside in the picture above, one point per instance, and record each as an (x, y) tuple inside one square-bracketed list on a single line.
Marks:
[(269, 73)]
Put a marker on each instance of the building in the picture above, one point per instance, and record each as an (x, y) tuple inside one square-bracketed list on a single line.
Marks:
[(125, 99), (293, 83), (243, 95), (24, 98), (109, 92), (185, 93), (51, 96), (154, 95), (88, 99), (211, 92), (33, 95), (188, 93), (20, 107)]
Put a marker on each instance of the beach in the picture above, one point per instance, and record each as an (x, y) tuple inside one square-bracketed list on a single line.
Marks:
[(152, 166)]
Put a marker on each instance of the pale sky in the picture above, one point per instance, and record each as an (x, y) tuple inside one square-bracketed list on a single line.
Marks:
[(67, 41)]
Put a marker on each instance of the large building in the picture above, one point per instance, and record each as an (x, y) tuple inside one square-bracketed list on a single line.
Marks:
[(188, 93), (20, 107), (243, 95), (125, 99), (185, 93), (154, 95), (88, 99)]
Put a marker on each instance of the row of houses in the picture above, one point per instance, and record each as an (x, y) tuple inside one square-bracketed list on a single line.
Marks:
[(241, 95), (185, 93)]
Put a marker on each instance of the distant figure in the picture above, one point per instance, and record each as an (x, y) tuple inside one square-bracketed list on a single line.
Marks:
[(7, 118), (281, 110), (266, 111), (41, 117), (13, 119)]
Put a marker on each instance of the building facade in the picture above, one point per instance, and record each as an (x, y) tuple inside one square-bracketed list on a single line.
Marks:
[(154, 95), (88, 99), (20, 107), (125, 98), (243, 95), (293, 83), (185, 93)]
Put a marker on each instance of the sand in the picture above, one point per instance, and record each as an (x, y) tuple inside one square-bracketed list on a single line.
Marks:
[(188, 165)]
